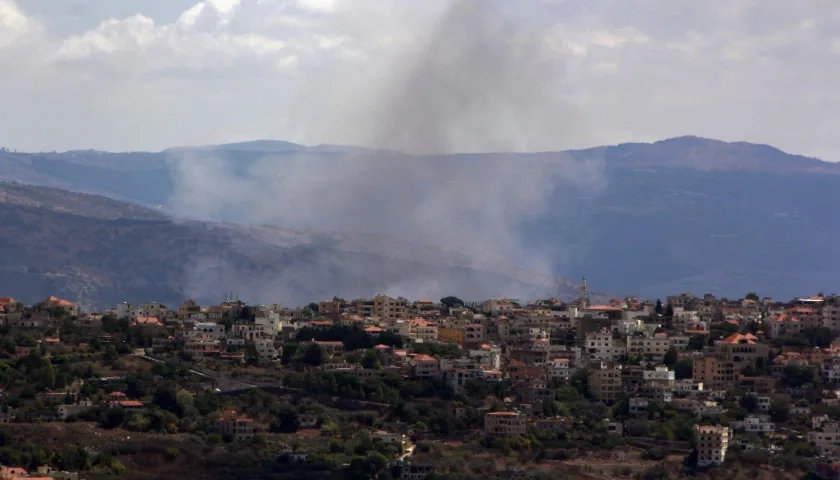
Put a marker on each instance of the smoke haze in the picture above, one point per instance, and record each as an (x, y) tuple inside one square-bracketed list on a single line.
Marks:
[(470, 80)]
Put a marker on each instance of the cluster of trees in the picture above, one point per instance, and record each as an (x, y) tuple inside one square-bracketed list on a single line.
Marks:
[(353, 338), (19, 451)]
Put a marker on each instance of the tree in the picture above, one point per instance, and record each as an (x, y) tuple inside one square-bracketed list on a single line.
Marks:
[(749, 403), (779, 410), (795, 376), (289, 352), (185, 399), (452, 302), (671, 357), (669, 311), (113, 417), (658, 308), (752, 296), (684, 369), (313, 354), (580, 380), (313, 306), (287, 421), (371, 361), (697, 342), (819, 336)]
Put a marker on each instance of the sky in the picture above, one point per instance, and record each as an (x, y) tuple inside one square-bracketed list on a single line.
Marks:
[(152, 74)]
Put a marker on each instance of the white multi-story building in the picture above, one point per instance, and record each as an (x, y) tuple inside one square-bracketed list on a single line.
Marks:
[(215, 330), (660, 378), (688, 386), (712, 443), (754, 424), (558, 369), (600, 346), (827, 439), (124, 310), (488, 356), (638, 405), (265, 348), (273, 322)]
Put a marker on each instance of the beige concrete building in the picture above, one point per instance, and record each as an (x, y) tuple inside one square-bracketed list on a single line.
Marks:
[(605, 383), (712, 443), (388, 308), (713, 373), (741, 350), (504, 424)]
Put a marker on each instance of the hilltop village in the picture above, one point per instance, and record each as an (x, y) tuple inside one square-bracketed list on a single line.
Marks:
[(390, 388)]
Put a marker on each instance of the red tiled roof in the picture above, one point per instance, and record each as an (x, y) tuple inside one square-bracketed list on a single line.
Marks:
[(13, 472), (604, 308), (424, 358), (148, 321), (740, 338), (59, 301)]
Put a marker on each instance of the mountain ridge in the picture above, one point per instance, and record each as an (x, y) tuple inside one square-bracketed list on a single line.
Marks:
[(711, 216), (100, 251)]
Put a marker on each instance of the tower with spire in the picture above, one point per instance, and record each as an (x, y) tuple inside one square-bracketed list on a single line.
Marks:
[(584, 299)]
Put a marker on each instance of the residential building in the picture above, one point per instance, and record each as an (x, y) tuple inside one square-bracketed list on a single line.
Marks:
[(826, 440), (425, 366), (741, 350), (638, 405), (600, 345), (660, 378), (656, 346), (504, 424), (451, 335), (712, 443), (237, 426), (71, 410), (831, 313), (558, 369), (754, 424), (415, 471), (605, 383), (713, 373), (187, 309), (388, 308), (422, 330)]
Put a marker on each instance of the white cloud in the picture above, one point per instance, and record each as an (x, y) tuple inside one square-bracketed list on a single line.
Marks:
[(733, 69), (318, 5)]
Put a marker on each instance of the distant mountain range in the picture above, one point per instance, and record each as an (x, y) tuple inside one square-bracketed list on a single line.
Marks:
[(683, 214)]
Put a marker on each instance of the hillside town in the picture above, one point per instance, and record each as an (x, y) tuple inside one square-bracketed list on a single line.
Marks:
[(390, 388)]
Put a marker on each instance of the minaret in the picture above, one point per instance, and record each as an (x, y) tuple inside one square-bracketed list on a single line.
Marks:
[(584, 301)]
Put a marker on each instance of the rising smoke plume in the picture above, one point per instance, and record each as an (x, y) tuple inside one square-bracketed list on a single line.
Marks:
[(474, 81)]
